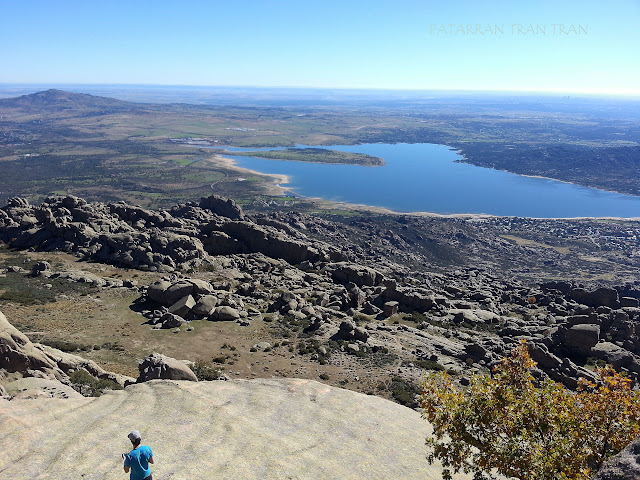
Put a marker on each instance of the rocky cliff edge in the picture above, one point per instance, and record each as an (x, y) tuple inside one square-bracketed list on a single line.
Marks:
[(293, 429)]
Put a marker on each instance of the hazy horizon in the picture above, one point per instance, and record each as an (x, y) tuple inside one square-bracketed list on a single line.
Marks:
[(40, 86), (572, 47)]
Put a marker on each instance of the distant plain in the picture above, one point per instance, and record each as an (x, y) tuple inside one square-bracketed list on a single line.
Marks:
[(113, 150)]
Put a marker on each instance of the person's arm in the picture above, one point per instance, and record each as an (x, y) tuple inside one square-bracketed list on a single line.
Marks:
[(151, 460), (126, 466), (126, 469)]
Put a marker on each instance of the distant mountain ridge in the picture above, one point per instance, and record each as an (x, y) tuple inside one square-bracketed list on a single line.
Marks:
[(56, 100)]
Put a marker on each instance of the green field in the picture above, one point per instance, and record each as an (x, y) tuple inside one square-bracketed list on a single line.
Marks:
[(317, 155)]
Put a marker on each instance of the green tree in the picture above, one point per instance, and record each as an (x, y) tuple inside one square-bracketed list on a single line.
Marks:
[(511, 425)]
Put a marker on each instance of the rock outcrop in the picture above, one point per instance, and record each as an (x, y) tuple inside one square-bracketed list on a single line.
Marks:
[(39, 388), (222, 206), (18, 355), (319, 273), (623, 466), (130, 236), (267, 429), (157, 366)]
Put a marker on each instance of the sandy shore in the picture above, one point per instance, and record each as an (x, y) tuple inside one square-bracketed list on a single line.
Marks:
[(276, 185)]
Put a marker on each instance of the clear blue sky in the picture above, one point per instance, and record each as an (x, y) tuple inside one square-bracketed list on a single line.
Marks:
[(368, 44)]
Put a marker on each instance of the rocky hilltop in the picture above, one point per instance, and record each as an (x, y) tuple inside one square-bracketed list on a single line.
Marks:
[(287, 428), (337, 287), (238, 429), (375, 300)]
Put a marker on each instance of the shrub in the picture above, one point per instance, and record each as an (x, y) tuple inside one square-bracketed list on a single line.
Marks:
[(404, 392), (31, 291), (63, 345), (428, 365), (89, 386), (360, 318), (204, 372), (308, 346), (418, 317), (510, 425), (115, 346)]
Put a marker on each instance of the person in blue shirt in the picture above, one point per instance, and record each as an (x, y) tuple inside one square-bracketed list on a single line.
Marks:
[(137, 460)]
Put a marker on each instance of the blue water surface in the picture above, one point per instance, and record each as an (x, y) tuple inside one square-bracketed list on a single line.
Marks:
[(425, 177)]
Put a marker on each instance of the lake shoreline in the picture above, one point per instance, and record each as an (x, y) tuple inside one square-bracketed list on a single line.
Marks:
[(469, 162), (276, 188)]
